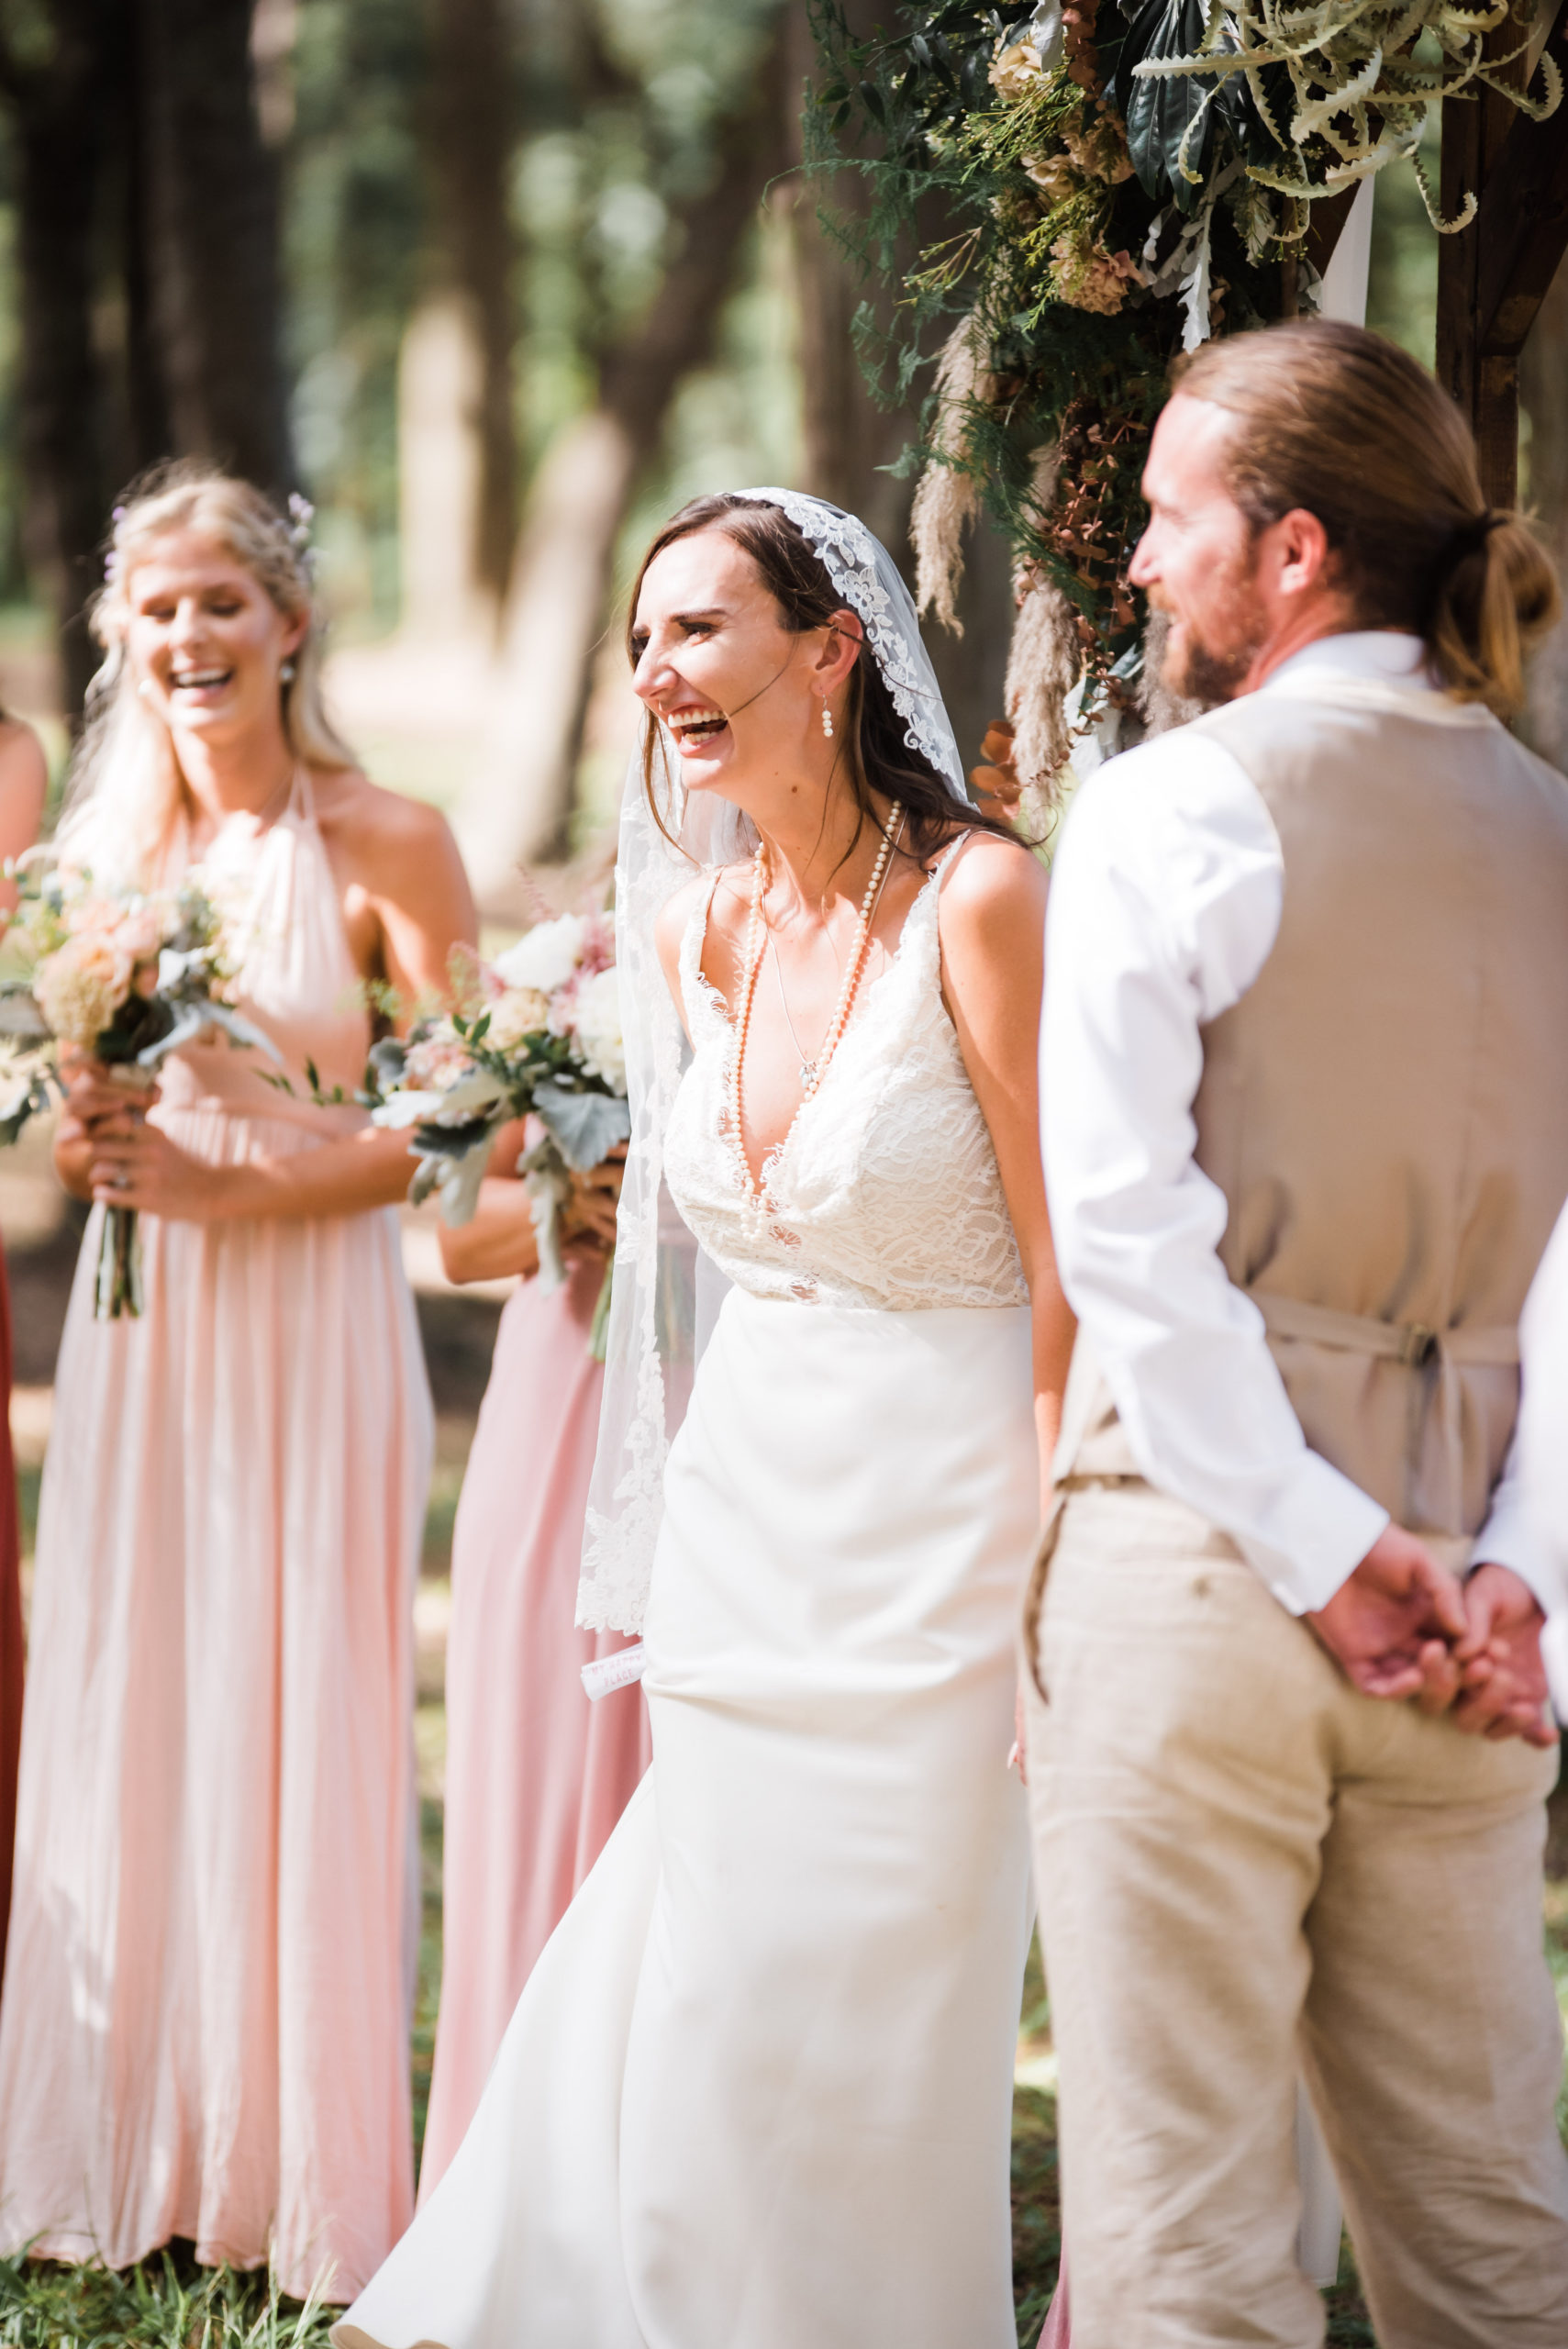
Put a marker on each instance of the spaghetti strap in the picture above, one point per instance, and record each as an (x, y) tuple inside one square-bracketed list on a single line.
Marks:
[(950, 857)]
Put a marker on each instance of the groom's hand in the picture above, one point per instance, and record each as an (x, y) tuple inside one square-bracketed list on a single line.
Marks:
[(1504, 1690), (1394, 1625)]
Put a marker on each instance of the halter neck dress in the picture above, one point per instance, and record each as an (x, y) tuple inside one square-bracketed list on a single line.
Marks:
[(757, 2091), (204, 2023)]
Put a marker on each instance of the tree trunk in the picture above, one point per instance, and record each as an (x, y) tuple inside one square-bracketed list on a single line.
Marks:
[(471, 124), (207, 207), (1543, 372), (519, 805), (63, 124), (851, 442)]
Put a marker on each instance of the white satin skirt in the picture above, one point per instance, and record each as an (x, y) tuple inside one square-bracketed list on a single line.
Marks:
[(757, 2091)]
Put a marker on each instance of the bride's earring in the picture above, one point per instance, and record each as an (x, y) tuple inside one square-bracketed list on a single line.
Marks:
[(827, 719)]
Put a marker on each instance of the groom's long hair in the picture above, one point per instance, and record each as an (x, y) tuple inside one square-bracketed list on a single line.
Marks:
[(1341, 423), (877, 757)]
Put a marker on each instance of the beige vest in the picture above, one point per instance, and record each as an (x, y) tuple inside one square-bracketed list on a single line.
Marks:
[(1387, 1108)]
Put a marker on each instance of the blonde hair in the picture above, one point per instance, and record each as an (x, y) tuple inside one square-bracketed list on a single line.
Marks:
[(1339, 422), (125, 797)]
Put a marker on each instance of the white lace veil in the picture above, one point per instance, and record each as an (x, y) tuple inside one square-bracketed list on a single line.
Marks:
[(665, 1290)]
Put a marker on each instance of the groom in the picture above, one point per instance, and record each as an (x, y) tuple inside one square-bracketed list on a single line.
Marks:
[(1306, 1123)]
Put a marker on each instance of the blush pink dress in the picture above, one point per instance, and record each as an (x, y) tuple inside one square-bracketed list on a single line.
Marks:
[(203, 2026), (11, 1642), (537, 1776)]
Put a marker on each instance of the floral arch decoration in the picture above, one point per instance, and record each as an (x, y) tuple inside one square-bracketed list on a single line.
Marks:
[(1113, 181)]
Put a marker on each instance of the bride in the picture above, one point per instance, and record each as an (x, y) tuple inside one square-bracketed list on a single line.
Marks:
[(758, 2088)]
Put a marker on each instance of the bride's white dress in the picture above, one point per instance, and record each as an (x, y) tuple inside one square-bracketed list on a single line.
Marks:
[(757, 2093)]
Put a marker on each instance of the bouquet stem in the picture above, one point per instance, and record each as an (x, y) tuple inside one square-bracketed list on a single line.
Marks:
[(117, 1291), (598, 1335)]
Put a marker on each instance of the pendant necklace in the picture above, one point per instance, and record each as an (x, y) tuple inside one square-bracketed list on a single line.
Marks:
[(812, 1072), (807, 1067)]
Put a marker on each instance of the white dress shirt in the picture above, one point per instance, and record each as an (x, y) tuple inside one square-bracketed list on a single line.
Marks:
[(1538, 1484), (1164, 906)]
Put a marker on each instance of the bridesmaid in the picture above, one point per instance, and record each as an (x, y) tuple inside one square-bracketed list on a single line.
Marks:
[(537, 1776), (204, 2027), (23, 781)]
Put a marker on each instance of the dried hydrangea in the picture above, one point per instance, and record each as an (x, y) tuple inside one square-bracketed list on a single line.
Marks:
[(1088, 278)]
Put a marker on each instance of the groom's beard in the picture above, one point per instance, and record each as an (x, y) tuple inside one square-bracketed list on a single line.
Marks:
[(1209, 660)]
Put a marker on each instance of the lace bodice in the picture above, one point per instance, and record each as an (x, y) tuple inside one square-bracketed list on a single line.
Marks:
[(886, 1192)]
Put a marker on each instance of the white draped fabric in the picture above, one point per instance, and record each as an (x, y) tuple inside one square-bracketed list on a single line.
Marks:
[(759, 2089)]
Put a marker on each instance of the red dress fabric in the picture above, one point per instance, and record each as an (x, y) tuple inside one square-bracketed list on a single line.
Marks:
[(10, 1618)]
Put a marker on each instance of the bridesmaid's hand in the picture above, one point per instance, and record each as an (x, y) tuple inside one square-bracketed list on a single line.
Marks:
[(96, 1099), (97, 1108), (590, 1214), (143, 1168)]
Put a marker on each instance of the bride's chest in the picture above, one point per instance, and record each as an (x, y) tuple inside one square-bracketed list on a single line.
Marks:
[(869, 1158)]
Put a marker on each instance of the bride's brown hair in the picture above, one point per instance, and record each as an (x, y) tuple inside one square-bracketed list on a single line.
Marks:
[(877, 758)]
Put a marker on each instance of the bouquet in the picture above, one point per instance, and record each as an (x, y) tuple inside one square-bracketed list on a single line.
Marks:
[(127, 977), (536, 1032)]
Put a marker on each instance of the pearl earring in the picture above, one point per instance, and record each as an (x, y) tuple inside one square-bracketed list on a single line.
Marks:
[(827, 721), (287, 673)]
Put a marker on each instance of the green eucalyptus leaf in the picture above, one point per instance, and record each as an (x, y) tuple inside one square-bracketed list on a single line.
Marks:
[(587, 1125)]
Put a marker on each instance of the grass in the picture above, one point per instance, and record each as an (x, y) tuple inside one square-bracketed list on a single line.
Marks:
[(170, 2303), (1037, 2209), (167, 2303), (1037, 2233), (427, 1996)]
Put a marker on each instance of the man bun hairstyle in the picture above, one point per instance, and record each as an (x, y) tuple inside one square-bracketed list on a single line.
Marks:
[(1345, 425)]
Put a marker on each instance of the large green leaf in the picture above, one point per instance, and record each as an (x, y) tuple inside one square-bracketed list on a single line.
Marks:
[(1158, 113), (587, 1125), (1159, 110)]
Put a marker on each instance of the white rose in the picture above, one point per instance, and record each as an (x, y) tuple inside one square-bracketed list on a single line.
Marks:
[(545, 957), (79, 989), (597, 1019), (1016, 70), (520, 1012)]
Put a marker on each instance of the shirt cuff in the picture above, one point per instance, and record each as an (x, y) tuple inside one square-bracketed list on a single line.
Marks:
[(1325, 1524), (1509, 1538)]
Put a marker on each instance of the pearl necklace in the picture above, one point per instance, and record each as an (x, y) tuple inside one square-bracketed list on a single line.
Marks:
[(811, 1072)]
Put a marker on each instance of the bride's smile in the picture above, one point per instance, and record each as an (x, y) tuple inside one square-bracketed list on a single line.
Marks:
[(740, 695)]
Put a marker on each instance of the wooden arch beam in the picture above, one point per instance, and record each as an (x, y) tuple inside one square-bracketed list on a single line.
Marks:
[(1493, 276)]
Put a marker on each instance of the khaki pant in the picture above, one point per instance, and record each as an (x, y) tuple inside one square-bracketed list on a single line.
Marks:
[(1246, 1868)]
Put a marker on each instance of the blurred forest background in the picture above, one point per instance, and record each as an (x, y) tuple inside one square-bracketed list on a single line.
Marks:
[(496, 282)]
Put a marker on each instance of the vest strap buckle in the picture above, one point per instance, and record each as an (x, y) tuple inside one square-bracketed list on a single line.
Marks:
[(1418, 1344)]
